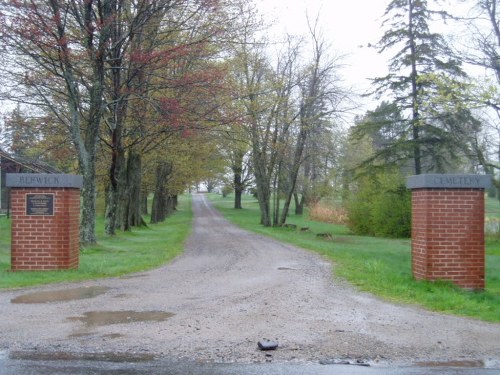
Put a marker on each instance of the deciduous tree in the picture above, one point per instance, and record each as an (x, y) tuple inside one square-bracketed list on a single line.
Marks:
[(320, 97), (54, 55)]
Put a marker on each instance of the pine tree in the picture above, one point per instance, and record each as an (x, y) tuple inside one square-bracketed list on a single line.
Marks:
[(422, 62)]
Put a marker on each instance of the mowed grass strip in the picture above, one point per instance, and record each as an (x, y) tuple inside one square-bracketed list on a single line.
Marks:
[(378, 265), (127, 252)]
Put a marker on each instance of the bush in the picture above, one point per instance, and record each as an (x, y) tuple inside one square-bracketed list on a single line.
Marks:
[(226, 190), (380, 205)]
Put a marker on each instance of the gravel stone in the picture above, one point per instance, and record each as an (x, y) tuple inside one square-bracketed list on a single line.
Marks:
[(267, 345)]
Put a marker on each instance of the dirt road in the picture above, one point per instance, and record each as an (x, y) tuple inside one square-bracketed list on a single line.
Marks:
[(229, 290)]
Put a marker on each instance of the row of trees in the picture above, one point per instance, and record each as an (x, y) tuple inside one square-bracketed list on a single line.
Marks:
[(131, 82), (161, 94), (124, 81), (289, 102)]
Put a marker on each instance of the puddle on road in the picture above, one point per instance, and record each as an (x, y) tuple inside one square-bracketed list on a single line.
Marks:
[(61, 295), (88, 335), (458, 363), (104, 318)]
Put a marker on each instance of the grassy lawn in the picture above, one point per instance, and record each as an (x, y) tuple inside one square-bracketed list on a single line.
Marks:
[(377, 265), (127, 252)]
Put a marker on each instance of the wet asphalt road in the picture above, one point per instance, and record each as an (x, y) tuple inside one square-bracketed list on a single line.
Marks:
[(76, 367)]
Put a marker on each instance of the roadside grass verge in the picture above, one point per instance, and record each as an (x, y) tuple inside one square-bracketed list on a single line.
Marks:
[(127, 252), (378, 265)]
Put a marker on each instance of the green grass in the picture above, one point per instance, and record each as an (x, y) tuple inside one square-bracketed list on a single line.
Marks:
[(377, 265), (127, 252)]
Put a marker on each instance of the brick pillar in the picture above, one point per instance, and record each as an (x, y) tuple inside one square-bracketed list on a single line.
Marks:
[(45, 212), (448, 228)]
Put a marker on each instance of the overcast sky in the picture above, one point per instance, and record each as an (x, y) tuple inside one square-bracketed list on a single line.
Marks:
[(349, 27)]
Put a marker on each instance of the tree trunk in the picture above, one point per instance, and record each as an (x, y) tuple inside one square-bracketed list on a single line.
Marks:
[(238, 179), (87, 153), (160, 199), (417, 158), (278, 184), (88, 214), (132, 209), (237, 199), (86, 149), (144, 202), (86, 146), (299, 204), (299, 150), (263, 193), (265, 206), (170, 205), (264, 198), (115, 192)]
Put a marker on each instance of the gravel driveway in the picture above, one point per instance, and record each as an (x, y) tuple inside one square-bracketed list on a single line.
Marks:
[(230, 289)]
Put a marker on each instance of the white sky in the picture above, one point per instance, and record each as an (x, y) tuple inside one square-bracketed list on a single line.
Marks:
[(349, 26)]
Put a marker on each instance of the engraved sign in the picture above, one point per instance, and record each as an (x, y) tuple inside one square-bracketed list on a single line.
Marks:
[(457, 181), (40, 204), (43, 180)]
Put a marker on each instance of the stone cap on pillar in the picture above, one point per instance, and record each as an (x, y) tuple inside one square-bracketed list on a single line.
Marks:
[(449, 181), (44, 180)]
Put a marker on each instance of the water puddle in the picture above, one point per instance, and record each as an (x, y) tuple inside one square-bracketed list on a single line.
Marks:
[(61, 295), (104, 318), (89, 335), (286, 269), (458, 363)]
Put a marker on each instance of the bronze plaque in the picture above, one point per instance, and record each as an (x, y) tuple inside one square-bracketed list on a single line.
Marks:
[(40, 204)]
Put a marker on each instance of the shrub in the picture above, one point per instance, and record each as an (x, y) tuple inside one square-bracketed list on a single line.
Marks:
[(380, 205), (226, 190)]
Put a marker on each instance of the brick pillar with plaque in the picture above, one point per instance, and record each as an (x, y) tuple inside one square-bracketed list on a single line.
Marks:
[(448, 228), (45, 212)]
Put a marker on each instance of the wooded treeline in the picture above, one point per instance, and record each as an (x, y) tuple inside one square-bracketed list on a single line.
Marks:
[(156, 96)]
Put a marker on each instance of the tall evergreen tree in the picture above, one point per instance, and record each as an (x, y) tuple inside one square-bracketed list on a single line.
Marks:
[(421, 63)]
